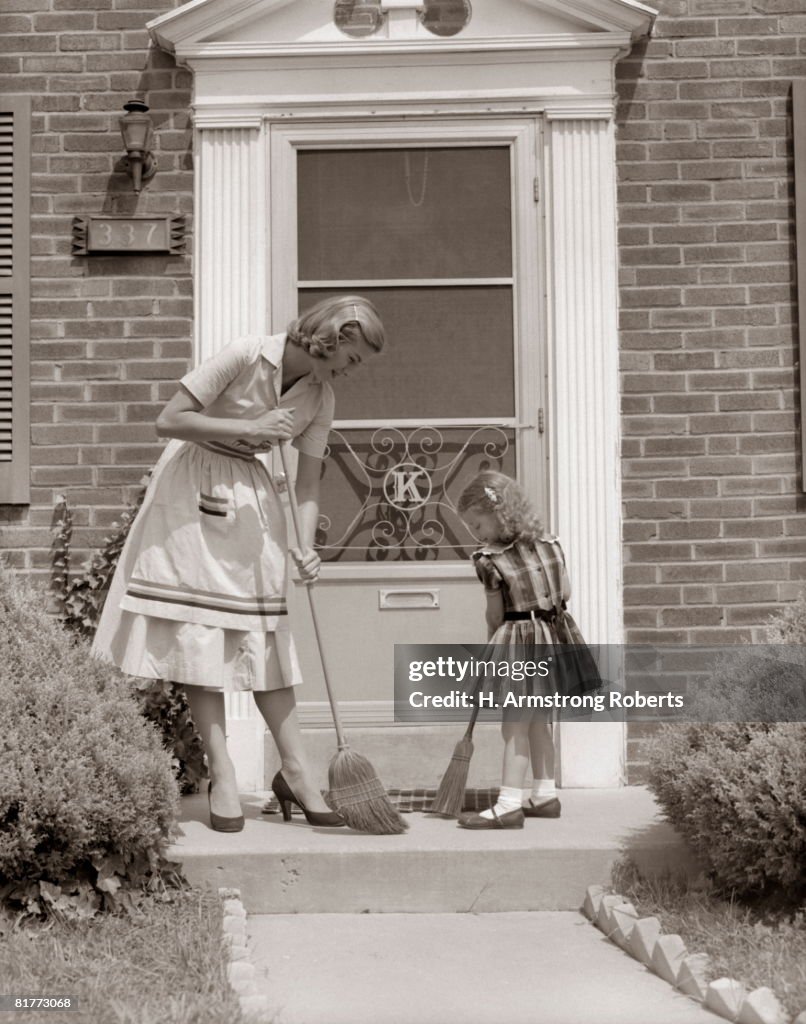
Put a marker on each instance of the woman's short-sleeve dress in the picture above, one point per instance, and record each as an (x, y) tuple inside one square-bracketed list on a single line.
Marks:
[(532, 577), (199, 594)]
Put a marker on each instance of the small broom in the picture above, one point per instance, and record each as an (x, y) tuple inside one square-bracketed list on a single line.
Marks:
[(356, 792), (451, 792)]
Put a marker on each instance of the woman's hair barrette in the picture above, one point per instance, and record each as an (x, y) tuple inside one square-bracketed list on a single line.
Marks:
[(492, 496)]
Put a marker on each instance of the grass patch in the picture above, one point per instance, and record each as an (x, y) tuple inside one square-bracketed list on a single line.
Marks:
[(743, 942), (167, 964)]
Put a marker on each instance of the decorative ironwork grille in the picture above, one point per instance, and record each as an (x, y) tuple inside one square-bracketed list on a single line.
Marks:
[(391, 492)]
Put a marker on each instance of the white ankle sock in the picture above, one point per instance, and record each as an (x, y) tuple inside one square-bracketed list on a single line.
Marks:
[(509, 799), (541, 792)]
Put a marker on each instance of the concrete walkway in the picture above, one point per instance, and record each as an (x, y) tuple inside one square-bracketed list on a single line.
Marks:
[(442, 924), (548, 967)]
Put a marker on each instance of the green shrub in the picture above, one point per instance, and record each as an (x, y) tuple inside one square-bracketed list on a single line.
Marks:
[(736, 790), (87, 795), (79, 602)]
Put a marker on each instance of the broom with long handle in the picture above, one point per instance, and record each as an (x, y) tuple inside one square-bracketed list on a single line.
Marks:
[(356, 792), (450, 795)]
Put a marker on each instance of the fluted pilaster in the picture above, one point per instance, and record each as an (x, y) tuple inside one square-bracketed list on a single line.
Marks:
[(585, 383), (231, 251)]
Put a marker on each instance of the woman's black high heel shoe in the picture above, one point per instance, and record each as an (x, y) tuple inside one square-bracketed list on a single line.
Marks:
[(281, 789), (219, 823)]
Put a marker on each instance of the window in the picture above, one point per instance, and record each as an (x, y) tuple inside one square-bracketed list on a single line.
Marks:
[(361, 18)]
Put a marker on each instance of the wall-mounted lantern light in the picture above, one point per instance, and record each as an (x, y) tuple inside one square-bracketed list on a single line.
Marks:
[(136, 129)]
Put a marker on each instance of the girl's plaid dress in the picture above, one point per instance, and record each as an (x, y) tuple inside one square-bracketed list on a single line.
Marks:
[(532, 578)]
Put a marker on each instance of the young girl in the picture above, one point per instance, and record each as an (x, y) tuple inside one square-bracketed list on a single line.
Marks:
[(199, 592), (525, 579)]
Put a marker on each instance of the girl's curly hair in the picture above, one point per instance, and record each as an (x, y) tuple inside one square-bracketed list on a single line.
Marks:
[(500, 495), (320, 329)]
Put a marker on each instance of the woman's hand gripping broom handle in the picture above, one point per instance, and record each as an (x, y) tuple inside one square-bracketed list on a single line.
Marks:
[(295, 517)]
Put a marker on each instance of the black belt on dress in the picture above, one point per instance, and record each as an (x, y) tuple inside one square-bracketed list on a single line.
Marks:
[(536, 613)]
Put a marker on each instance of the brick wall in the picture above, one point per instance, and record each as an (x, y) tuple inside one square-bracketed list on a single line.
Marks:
[(715, 531), (714, 527), (714, 524), (110, 336)]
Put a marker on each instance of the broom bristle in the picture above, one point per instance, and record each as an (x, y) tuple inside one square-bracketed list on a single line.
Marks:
[(358, 795), (450, 795)]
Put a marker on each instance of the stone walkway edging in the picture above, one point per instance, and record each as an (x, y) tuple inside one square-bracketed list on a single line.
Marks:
[(241, 972), (667, 956)]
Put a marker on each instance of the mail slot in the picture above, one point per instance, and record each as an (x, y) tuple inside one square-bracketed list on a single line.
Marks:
[(390, 600)]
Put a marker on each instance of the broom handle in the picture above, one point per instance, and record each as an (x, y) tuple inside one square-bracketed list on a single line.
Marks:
[(342, 742), (475, 714)]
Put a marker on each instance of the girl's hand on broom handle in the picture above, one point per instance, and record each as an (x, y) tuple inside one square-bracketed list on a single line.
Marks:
[(308, 564)]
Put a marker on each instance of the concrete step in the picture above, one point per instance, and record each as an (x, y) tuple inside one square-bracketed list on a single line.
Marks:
[(436, 867), (404, 756)]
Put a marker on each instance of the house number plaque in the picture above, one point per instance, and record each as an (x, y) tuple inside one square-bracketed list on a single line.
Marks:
[(98, 235)]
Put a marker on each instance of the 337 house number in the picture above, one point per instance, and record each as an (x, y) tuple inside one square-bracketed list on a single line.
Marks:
[(97, 235)]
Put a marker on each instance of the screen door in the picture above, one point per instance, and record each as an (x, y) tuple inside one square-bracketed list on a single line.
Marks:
[(439, 229)]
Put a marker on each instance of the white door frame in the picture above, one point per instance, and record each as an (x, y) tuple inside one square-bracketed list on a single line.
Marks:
[(240, 93)]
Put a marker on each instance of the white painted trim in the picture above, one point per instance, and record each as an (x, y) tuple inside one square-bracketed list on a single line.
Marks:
[(219, 112), (566, 256), (193, 22), (502, 421), (584, 397), (422, 282), (382, 572), (584, 409), (545, 45), (231, 223), (317, 714)]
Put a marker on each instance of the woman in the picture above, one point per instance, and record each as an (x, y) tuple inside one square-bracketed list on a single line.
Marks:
[(199, 593)]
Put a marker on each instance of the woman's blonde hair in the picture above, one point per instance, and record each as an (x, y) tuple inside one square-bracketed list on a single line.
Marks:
[(497, 494), (320, 329)]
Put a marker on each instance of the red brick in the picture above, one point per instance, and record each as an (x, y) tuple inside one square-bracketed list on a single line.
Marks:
[(121, 475), (61, 476), (688, 488), (654, 467), (700, 254), (658, 553), (705, 530), (754, 528), (756, 570), (684, 404), (125, 433), (705, 48), (661, 275), (652, 297), (786, 421), (715, 296), (681, 318), (652, 595), (776, 464), (691, 572), (750, 315), (675, 445), (691, 616)]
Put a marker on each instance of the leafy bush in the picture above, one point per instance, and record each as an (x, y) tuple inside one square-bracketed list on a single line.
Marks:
[(79, 603), (87, 795), (736, 790)]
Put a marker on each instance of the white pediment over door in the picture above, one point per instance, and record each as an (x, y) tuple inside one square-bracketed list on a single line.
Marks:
[(213, 28)]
